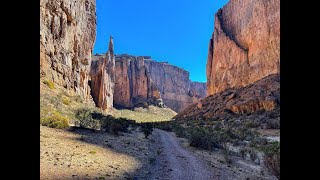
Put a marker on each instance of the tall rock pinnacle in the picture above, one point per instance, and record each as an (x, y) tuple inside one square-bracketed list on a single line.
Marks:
[(111, 47), (102, 79)]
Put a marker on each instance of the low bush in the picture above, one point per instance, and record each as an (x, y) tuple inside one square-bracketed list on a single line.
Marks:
[(147, 129), (273, 124), (272, 158), (167, 126), (49, 84), (55, 120), (66, 100), (85, 119), (204, 138)]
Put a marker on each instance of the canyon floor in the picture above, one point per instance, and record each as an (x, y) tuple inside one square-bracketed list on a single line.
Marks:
[(84, 154)]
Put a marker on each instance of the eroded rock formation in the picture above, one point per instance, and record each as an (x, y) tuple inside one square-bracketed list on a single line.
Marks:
[(102, 78), (67, 35), (262, 95), (245, 45)]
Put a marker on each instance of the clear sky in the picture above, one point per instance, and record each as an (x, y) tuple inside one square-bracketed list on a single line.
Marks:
[(177, 31)]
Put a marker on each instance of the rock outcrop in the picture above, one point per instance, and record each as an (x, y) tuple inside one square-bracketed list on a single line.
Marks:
[(262, 95), (67, 36), (245, 45), (102, 78)]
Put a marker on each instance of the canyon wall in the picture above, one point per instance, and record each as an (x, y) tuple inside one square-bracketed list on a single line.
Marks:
[(102, 78), (67, 36), (134, 86), (245, 44), (140, 81), (174, 85)]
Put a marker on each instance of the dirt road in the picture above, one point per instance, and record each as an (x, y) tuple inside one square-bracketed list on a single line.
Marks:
[(175, 162)]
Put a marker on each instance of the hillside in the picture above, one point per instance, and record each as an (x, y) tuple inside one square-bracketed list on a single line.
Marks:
[(254, 101)]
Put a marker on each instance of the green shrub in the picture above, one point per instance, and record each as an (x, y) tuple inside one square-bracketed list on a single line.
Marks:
[(272, 158), (85, 119), (204, 138), (179, 130), (112, 124), (147, 129), (49, 84), (252, 124), (273, 124), (55, 120), (115, 128), (166, 126)]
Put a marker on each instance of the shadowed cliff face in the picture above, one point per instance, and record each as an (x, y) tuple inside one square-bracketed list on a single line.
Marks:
[(245, 44), (177, 91), (67, 35)]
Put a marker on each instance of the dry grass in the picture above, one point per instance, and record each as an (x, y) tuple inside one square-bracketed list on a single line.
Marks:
[(64, 156), (49, 84), (61, 101), (152, 114)]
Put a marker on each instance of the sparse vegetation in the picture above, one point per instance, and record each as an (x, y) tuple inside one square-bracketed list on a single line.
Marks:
[(92, 152), (85, 120), (272, 157), (273, 124), (219, 135), (66, 100), (147, 129), (49, 84), (55, 120)]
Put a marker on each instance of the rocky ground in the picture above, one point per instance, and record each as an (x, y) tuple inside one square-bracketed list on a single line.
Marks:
[(177, 160), (83, 154)]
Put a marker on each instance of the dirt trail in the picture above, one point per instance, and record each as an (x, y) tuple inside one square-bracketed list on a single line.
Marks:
[(175, 162)]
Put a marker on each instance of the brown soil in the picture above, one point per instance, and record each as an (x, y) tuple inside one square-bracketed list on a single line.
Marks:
[(83, 154)]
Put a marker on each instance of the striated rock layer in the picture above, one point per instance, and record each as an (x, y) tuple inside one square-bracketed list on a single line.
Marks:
[(245, 45), (67, 35), (102, 79)]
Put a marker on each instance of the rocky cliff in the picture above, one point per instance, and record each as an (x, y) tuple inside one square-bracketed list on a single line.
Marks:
[(140, 81), (245, 44), (102, 78), (177, 91), (134, 86), (67, 36)]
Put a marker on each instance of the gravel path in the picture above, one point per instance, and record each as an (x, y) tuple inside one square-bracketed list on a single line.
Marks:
[(175, 162)]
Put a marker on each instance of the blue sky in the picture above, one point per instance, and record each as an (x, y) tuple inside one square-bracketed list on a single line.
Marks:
[(177, 31)]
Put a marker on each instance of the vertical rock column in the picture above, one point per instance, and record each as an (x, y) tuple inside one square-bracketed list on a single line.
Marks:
[(102, 79)]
